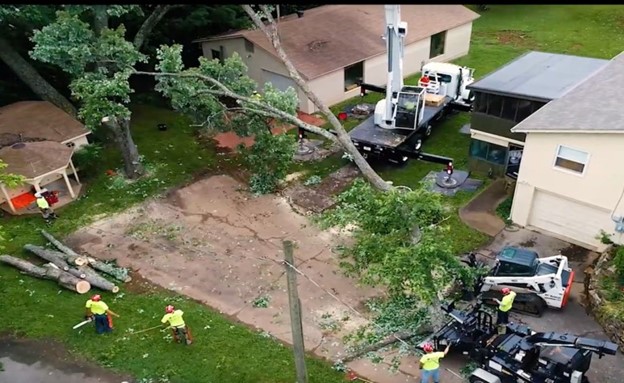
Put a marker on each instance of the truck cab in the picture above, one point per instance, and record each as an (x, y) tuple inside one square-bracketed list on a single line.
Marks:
[(448, 80)]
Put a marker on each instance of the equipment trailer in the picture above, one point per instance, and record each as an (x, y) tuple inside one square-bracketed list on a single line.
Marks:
[(519, 355)]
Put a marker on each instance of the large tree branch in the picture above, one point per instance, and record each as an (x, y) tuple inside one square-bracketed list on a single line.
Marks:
[(262, 108), (271, 33), (29, 75), (150, 23)]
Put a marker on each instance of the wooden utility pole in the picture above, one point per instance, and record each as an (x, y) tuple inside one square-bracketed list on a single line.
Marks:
[(295, 314)]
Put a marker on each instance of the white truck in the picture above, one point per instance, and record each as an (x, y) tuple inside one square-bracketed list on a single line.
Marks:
[(403, 119)]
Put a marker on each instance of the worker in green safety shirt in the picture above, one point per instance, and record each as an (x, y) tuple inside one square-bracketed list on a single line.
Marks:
[(430, 363), (504, 306), (173, 319)]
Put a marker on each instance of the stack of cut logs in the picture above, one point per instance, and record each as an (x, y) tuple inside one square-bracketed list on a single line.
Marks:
[(68, 268)]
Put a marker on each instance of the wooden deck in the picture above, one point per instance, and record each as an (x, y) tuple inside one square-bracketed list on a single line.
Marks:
[(64, 197)]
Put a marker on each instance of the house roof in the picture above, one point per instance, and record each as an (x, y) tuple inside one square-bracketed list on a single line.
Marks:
[(539, 76), (331, 37), (37, 121), (594, 106), (34, 159)]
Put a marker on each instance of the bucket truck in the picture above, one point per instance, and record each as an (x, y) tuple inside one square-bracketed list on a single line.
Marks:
[(404, 118)]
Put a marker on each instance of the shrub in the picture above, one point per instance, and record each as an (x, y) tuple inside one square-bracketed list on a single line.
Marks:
[(87, 157), (618, 261), (268, 160)]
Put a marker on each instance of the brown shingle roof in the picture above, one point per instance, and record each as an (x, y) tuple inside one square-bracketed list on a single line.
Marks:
[(38, 120), (33, 159), (331, 37)]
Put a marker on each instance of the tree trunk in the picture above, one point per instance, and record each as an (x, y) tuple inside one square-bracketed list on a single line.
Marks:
[(396, 337), (54, 257), (48, 271), (119, 273), (29, 75), (150, 23), (343, 137), (57, 258), (129, 151), (70, 255)]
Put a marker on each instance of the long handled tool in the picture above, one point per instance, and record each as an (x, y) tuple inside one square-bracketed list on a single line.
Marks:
[(147, 329), (84, 322)]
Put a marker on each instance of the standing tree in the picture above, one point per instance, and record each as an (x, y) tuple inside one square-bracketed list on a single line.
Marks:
[(18, 21), (100, 61)]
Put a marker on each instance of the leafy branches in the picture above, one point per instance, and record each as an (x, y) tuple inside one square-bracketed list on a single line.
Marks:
[(269, 159), (400, 243)]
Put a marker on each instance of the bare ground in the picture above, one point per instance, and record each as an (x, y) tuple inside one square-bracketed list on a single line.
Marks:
[(215, 243)]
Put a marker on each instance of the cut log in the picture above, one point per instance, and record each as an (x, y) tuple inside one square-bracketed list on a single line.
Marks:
[(51, 272), (70, 255), (85, 272), (119, 273)]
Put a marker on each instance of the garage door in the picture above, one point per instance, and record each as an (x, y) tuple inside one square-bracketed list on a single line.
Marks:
[(280, 82), (567, 218)]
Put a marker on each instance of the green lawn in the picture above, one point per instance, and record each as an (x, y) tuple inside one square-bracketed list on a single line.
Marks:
[(223, 352), (226, 352)]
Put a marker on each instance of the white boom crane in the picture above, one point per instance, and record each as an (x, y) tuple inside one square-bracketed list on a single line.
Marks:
[(396, 30)]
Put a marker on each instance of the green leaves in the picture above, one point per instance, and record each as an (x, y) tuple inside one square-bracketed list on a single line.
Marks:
[(269, 160), (99, 65), (67, 43), (9, 180)]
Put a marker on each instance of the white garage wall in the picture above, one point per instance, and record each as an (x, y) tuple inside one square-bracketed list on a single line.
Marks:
[(600, 186)]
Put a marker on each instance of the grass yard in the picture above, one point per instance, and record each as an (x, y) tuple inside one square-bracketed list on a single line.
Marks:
[(225, 352)]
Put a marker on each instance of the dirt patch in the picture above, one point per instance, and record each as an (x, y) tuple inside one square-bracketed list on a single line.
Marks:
[(529, 242), (575, 253), (510, 37), (318, 198), (217, 244)]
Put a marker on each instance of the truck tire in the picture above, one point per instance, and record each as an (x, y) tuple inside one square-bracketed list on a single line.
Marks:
[(428, 131)]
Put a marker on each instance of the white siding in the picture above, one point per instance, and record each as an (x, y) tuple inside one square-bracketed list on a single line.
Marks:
[(600, 187)]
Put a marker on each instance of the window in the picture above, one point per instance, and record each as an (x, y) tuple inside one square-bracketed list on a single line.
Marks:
[(495, 105), (571, 159), (510, 105), (216, 54), (488, 152), (525, 109), (437, 44), (249, 46), (480, 104), (353, 76)]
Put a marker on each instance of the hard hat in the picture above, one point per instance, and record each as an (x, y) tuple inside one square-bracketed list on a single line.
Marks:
[(169, 309), (427, 347), (37, 195), (506, 290), (96, 298)]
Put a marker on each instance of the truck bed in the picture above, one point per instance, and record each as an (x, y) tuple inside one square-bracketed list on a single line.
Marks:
[(368, 133)]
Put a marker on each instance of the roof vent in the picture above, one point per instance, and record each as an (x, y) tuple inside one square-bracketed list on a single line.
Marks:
[(19, 145), (300, 13)]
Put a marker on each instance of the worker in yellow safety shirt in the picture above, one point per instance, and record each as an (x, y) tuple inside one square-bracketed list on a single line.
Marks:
[(173, 318), (430, 363), (98, 311), (44, 207), (504, 306)]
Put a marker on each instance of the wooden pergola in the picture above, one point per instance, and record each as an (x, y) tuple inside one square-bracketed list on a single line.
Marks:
[(35, 161)]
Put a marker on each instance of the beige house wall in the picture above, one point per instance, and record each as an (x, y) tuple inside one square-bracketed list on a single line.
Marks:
[(256, 62), (600, 187), (330, 87)]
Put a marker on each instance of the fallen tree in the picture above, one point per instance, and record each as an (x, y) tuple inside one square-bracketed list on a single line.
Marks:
[(49, 271), (70, 256), (119, 273), (84, 272)]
